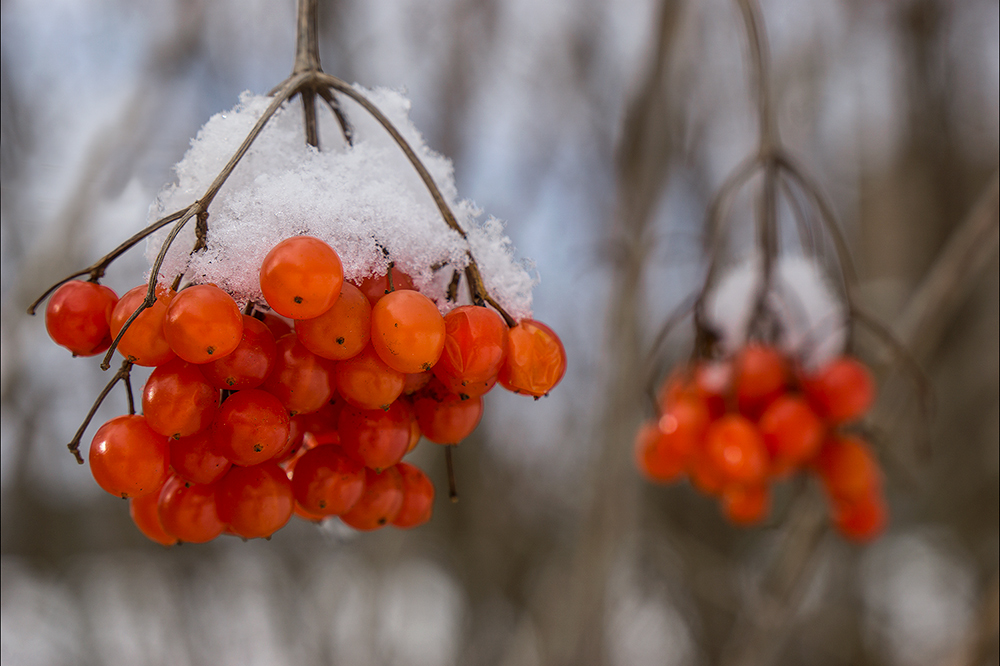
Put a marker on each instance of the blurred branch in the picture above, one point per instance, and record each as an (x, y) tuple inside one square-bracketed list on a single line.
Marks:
[(955, 272)]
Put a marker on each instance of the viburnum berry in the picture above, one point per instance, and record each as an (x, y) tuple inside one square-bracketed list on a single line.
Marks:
[(475, 345), (863, 519), (194, 459), (408, 332), (321, 424), (760, 375), (841, 391), (252, 426), (144, 512), (536, 359), (444, 417), (326, 481), (746, 505), (342, 331), (203, 323), (127, 458), (377, 286), (301, 277), (278, 326), (380, 502), (708, 381), (300, 379), (255, 502), (792, 432), (736, 449), (143, 343), (848, 468), (418, 497), (249, 364), (177, 401), (78, 317), (365, 381), (188, 511), (376, 438), (655, 458)]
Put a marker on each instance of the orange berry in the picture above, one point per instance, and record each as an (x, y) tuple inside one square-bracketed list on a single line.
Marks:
[(145, 514), (862, 520), (418, 497), (792, 431), (842, 391), (444, 417), (848, 468), (342, 331), (379, 503), (746, 505), (143, 342), (299, 379), (177, 401), (127, 458), (536, 359), (188, 511), (408, 332), (77, 317), (365, 381), (203, 323), (301, 277), (654, 457), (377, 286), (761, 374), (736, 449), (255, 502), (249, 364), (326, 481)]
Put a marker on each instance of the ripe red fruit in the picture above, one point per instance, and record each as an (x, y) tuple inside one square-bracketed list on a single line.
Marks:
[(301, 277), (792, 431), (848, 468), (375, 287), (376, 438), (249, 364), (342, 331), (255, 501), (144, 512), (842, 391), (127, 458), (203, 323), (407, 331), (326, 481), (380, 503), (761, 374), (300, 379), (251, 427), (536, 359), (194, 458), (188, 511), (655, 458), (475, 345), (365, 381), (143, 342), (863, 519), (418, 497), (77, 317), (177, 401), (736, 449), (446, 418), (746, 505)]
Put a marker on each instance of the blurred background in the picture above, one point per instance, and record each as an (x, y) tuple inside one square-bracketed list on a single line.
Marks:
[(599, 131)]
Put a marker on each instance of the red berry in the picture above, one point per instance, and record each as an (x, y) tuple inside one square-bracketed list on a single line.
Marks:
[(736, 449), (792, 431), (252, 427), (249, 364), (326, 481), (418, 497), (203, 323), (365, 381), (746, 505), (177, 401), (77, 317), (444, 417), (848, 469), (842, 391), (127, 458), (301, 277), (188, 511), (300, 379), (862, 520), (536, 360), (143, 342), (194, 459), (408, 332), (144, 512), (761, 374), (342, 331), (255, 501), (475, 345), (376, 438), (380, 503), (655, 458), (375, 287)]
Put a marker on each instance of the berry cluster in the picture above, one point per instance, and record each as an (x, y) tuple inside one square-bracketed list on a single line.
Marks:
[(249, 418), (735, 426)]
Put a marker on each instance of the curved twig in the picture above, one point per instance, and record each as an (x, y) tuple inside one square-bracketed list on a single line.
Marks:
[(122, 374)]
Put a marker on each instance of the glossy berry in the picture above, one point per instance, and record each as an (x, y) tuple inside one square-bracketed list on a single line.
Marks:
[(249, 364), (408, 332), (78, 317), (842, 391), (203, 323), (792, 432), (342, 331), (475, 345), (375, 287), (144, 512), (365, 381), (376, 438), (252, 426), (418, 497), (848, 468), (301, 277), (255, 502), (177, 401), (379, 503), (760, 375), (736, 449), (536, 360), (143, 342), (127, 458), (446, 418), (746, 505), (300, 379), (655, 458), (326, 481), (863, 519), (194, 459), (188, 511)]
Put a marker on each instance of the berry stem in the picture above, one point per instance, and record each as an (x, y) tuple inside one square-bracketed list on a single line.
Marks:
[(450, 466), (122, 374)]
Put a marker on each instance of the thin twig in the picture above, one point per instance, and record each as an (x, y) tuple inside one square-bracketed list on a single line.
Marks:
[(450, 467), (122, 374)]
